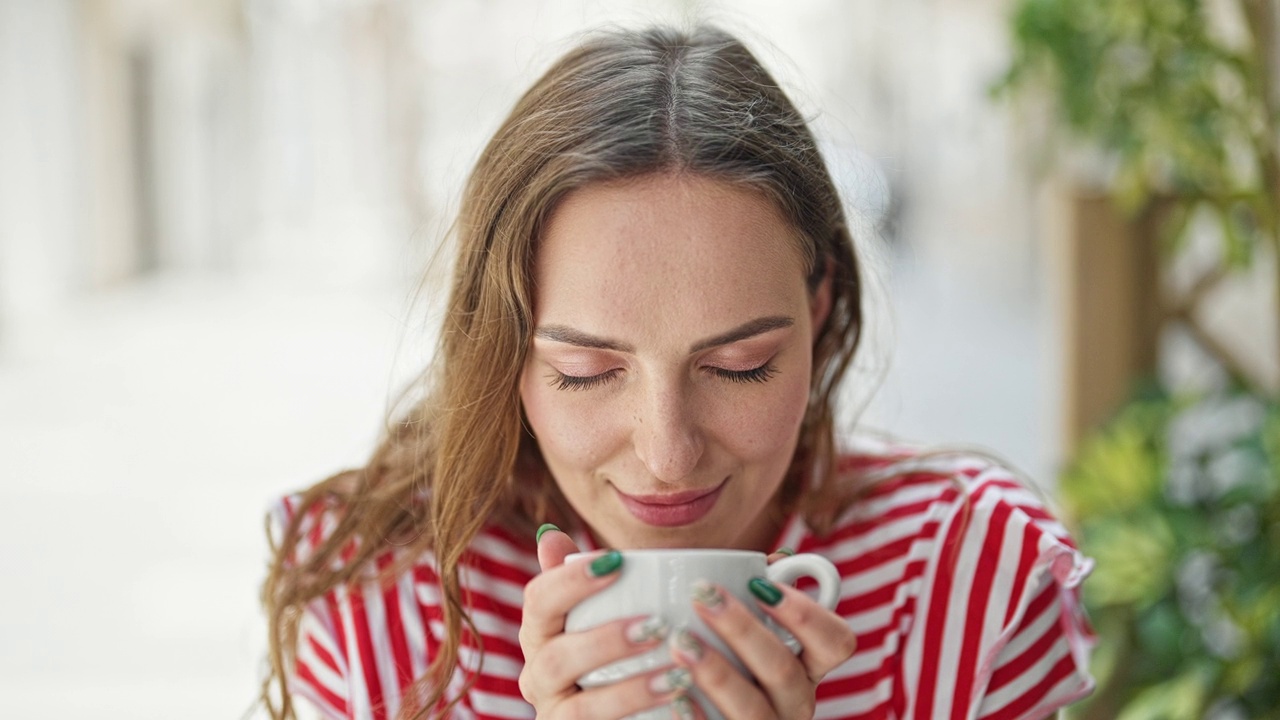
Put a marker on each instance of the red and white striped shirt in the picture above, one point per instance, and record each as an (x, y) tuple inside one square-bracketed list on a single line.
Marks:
[(961, 587)]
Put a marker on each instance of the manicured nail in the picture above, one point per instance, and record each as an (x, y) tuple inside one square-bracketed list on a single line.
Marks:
[(546, 526), (605, 564), (785, 551), (708, 595), (651, 628), (671, 681), (687, 645), (682, 706), (767, 592)]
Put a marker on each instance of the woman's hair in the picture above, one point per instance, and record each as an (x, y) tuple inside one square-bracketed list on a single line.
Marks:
[(620, 105)]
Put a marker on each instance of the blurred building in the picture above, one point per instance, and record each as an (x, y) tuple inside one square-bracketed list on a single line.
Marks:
[(328, 141), (231, 134)]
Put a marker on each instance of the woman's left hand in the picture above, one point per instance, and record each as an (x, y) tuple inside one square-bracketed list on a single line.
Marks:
[(784, 682)]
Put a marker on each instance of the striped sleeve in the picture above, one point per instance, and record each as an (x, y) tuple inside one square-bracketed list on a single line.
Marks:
[(320, 672), (1001, 633)]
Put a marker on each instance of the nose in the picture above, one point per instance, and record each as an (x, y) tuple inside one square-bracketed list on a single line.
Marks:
[(666, 436)]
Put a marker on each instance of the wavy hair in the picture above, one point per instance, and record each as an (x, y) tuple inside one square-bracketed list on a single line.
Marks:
[(621, 104)]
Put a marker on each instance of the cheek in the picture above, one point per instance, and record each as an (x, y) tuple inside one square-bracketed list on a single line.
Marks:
[(764, 430), (571, 435)]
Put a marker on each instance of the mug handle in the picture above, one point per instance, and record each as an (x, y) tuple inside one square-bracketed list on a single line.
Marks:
[(788, 570)]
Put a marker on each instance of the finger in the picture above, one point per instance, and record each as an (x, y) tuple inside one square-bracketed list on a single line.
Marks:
[(553, 546), (684, 708), (549, 596), (827, 639), (628, 697), (780, 553), (775, 668), (733, 693), (558, 664)]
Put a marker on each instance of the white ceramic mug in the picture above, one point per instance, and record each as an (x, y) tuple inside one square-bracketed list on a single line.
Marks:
[(661, 582)]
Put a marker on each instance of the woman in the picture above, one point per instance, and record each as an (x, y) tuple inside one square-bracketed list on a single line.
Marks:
[(655, 298)]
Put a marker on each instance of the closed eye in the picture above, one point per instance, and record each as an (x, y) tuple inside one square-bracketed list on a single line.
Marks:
[(759, 374), (581, 382), (561, 381)]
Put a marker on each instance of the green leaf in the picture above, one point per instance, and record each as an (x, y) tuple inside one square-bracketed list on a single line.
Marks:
[(1182, 698), (1237, 236), (1134, 559), (1120, 468)]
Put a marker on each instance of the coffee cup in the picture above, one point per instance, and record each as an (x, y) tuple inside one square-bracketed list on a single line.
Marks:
[(661, 583)]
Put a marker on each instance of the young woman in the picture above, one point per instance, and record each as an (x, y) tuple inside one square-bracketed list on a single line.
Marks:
[(655, 299)]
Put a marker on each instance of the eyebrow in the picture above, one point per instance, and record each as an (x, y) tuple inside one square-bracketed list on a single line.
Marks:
[(751, 328)]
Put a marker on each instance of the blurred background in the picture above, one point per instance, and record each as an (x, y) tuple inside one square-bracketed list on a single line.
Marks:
[(218, 221)]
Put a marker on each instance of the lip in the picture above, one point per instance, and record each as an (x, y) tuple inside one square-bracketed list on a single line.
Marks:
[(672, 509)]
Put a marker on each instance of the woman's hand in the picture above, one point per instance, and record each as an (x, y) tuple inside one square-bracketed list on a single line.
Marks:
[(554, 660), (784, 683)]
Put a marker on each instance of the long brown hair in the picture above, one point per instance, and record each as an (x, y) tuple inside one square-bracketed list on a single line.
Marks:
[(622, 104)]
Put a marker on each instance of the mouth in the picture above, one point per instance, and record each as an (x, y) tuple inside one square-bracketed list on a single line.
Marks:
[(672, 509)]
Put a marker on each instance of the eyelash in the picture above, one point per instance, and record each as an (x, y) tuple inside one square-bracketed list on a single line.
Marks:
[(758, 374), (575, 382)]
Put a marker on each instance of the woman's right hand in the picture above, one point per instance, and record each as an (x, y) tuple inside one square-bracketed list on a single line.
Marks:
[(554, 659)]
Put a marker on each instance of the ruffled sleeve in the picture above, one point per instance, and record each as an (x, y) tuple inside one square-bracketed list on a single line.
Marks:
[(1001, 632)]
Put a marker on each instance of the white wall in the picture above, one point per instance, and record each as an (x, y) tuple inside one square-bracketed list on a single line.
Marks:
[(42, 194)]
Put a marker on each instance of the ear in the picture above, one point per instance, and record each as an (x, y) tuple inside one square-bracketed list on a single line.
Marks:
[(820, 299)]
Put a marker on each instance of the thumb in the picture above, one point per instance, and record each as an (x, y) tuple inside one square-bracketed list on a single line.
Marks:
[(553, 546)]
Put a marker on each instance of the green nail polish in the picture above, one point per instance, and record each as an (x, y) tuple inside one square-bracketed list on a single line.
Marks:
[(606, 563), (547, 526), (683, 707), (767, 592), (786, 551)]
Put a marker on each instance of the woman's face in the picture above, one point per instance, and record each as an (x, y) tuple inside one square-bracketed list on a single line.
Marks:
[(669, 372)]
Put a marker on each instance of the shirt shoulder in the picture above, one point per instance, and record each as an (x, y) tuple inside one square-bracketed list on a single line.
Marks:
[(362, 645), (310, 526), (901, 488), (951, 559)]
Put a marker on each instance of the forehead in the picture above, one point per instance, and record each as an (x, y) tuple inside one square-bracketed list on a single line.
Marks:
[(631, 256)]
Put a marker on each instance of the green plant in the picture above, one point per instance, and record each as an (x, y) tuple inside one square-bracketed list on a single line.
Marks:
[(1178, 497), (1178, 501), (1180, 96)]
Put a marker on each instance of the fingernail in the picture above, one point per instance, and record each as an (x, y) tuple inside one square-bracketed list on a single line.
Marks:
[(708, 595), (765, 591), (671, 681), (786, 551), (651, 628), (546, 526), (682, 706), (687, 645), (605, 564)]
